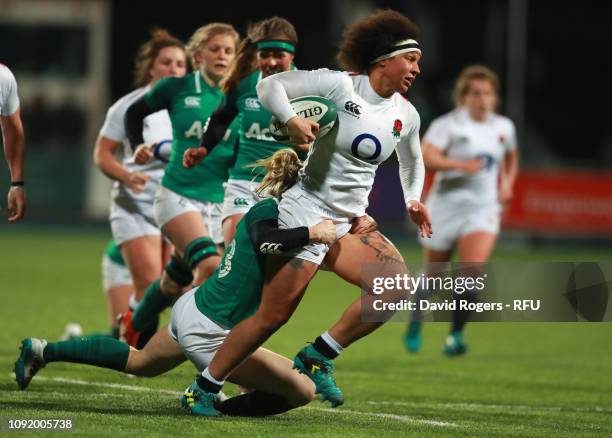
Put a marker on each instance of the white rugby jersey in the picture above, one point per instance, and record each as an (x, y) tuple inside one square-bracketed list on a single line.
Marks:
[(9, 100), (157, 127), (341, 165), (461, 138)]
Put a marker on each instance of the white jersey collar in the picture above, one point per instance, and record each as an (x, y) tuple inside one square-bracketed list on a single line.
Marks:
[(369, 94)]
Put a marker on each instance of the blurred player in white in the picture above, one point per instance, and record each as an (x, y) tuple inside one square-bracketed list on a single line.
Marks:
[(473, 151), (132, 221), (14, 142)]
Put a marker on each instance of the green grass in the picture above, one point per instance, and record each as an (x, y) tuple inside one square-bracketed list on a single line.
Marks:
[(517, 380)]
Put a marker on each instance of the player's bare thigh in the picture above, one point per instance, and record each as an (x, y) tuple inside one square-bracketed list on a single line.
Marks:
[(476, 247), (184, 229), (161, 354), (356, 254), (143, 256)]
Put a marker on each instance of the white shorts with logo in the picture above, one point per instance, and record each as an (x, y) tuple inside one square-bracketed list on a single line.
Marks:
[(127, 225), (298, 208), (199, 336), (114, 274), (239, 197), (450, 221), (169, 204)]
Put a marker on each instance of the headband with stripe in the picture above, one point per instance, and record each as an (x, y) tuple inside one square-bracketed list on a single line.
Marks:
[(276, 44), (398, 48)]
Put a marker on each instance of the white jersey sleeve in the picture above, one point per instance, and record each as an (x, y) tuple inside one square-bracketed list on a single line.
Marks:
[(509, 139), (9, 100), (275, 91), (411, 166), (114, 127), (439, 133)]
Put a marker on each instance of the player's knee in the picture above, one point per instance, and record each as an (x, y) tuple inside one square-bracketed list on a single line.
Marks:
[(269, 322), (302, 395), (198, 251), (206, 268), (139, 364)]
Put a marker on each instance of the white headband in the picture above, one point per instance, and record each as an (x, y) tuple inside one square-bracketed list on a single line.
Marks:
[(398, 48)]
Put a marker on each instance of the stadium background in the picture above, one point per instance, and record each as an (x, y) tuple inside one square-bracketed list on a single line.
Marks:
[(72, 59)]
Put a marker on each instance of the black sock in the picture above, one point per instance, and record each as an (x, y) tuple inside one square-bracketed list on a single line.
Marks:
[(255, 404), (147, 332), (207, 385), (322, 347), (460, 317)]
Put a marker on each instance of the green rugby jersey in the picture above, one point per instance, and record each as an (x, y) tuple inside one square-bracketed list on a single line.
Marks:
[(233, 292), (190, 101), (113, 252), (256, 143)]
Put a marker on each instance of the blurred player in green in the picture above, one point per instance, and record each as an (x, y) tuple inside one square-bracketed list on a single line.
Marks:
[(269, 48), (188, 204)]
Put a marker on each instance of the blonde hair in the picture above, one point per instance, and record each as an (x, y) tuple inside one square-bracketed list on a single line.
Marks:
[(204, 34), (467, 75), (147, 54), (281, 172)]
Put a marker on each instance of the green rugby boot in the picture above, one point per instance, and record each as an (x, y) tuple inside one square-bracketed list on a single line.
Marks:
[(320, 370), (454, 345), (412, 337), (196, 401), (30, 361)]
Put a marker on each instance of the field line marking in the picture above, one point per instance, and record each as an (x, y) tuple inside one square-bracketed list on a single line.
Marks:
[(402, 418), (494, 406)]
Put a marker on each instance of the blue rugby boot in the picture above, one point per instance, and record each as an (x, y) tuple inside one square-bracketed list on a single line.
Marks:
[(454, 345), (30, 361), (196, 401), (412, 337), (320, 370)]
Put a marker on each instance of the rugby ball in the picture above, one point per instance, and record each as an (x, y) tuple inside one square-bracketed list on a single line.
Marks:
[(315, 108)]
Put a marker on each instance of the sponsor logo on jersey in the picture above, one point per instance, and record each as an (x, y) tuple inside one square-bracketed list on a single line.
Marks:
[(502, 139), (488, 161), (252, 103), (241, 201), (256, 132), (373, 141), (192, 102), (271, 248), (352, 108), (397, 128)]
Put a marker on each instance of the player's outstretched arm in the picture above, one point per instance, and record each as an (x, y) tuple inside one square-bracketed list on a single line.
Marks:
[(14, 151)]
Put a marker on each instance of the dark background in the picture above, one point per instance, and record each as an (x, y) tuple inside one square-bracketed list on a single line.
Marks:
[(568, 69)]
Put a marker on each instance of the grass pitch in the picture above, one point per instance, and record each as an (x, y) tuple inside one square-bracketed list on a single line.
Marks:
[(517, 379)]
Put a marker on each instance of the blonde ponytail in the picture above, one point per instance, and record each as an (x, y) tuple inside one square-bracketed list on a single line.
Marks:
[(281, 172)]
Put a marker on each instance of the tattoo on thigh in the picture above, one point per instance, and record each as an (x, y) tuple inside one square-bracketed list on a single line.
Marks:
[(385, 252)]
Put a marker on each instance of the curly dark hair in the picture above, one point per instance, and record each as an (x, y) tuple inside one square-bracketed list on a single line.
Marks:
[(370, 37)]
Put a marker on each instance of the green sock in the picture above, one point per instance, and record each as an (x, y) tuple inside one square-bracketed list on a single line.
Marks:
[(151, 305), (109, 334), (99, 351)]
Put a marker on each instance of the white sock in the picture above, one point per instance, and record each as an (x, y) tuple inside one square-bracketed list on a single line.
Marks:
[(333, 344), (133, 302), (210, 378)]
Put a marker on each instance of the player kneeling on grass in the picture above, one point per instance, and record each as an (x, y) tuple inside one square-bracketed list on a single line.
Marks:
[(202, 318)]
